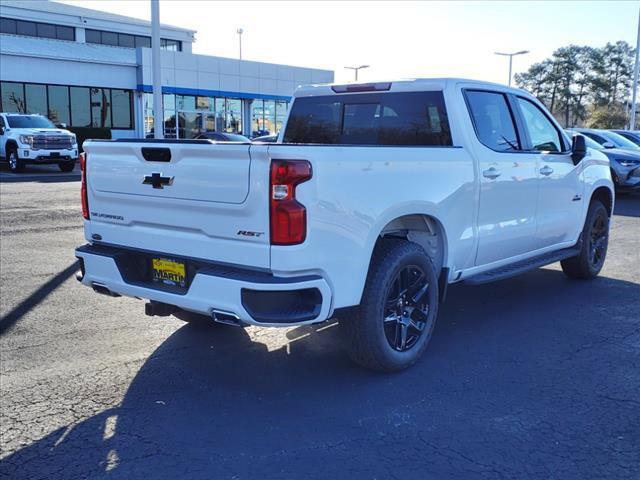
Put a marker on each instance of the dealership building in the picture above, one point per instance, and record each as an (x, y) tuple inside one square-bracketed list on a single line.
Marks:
[(86, 68)]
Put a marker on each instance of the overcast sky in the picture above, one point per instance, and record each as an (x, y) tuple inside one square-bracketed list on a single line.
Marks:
[(398, 39)]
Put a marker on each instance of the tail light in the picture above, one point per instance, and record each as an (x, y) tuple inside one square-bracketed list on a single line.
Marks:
[(288, 216), (83, 186)]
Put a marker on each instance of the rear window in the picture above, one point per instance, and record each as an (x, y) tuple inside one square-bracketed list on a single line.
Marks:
[(402, 118)]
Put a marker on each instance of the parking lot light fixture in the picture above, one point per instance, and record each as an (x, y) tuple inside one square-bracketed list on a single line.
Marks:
[(356, 69), (511, 55)]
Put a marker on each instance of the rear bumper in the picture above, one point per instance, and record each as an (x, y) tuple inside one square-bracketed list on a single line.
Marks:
[(254, 297)]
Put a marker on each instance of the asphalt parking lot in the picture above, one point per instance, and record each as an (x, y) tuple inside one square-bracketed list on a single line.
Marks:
[(537, 377)]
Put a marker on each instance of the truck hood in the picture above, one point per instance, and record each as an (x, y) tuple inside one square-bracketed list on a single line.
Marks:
[(41, 131)]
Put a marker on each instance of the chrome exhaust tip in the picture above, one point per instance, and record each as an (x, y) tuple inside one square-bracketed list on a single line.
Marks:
[(228, 318)]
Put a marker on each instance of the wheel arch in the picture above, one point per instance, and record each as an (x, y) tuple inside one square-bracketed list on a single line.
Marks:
[(605, 195), (10, 143)]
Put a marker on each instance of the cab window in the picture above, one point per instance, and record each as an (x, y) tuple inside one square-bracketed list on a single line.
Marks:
[(492, 120), (544, 136)]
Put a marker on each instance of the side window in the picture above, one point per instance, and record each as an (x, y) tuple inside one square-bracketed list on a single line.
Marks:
[(1, 122), (543, 134), (493, 121), (594, 137)]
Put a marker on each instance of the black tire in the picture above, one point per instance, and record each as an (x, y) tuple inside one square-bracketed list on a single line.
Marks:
[(368, 330), (594, 244), (15, 164), (67, 166)]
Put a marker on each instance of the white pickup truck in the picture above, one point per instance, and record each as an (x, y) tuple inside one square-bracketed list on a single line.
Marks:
[(374, 199), (34, 139)]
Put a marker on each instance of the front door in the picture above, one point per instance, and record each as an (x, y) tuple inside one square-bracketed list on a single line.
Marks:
[(560, 194), (508, 180)]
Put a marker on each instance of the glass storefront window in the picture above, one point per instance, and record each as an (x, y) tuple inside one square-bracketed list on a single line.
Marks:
[(12, 97), (189, 124), (205, 103), (185, 102), (170, 124), (168, 101), (220, 114), (257, 118), (233, 122), (80, 102), (121, 108), (36, 98), (269, 117), (281, 114), (100, 107), (59, 104)]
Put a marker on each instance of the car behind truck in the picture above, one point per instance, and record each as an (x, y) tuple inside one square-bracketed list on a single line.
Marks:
[(375, 198)]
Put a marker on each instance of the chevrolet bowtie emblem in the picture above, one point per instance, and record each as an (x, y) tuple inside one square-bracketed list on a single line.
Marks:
[(156, 180)]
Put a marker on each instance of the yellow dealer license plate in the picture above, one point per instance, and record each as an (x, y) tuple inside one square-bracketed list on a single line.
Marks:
[(168, 272)]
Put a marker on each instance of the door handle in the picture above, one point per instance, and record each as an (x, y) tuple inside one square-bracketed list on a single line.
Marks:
[(546, 170), (491, 173)]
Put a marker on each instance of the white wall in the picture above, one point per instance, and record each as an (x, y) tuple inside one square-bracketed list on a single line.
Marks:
[(203, 72)]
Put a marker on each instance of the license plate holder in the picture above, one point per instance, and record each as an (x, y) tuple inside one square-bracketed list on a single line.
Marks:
[(166, 271)]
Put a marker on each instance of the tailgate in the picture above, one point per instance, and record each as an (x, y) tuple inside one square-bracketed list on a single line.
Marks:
[(187, 199)]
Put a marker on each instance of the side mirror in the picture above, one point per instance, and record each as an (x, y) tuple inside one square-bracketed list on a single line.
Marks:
[(578, 149), (608, 145), (63, 125), (1, 130)]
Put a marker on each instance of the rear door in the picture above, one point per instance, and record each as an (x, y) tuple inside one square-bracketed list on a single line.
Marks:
[(508, 179), (188, 199), (560, 193)]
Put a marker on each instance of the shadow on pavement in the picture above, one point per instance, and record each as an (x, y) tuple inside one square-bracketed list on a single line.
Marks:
[(38, 173), (628, 205), (505, 386), (36, 297)]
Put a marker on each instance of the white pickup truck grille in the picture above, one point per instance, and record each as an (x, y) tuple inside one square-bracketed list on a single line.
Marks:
[(52, 142)]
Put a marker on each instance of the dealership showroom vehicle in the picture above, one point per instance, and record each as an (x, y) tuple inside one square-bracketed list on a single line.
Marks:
[(375, 198), (34, 139), (625, 163)]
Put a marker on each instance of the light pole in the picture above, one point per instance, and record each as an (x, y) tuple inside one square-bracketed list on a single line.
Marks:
[(632, 122), (158, 118), (511, 55), (240, 32), (355, 69)]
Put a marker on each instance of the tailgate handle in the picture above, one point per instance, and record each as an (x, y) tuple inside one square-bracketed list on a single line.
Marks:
[(153, 154)]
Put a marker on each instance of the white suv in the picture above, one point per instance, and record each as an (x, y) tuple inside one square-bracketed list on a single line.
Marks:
[(26, 139), (375, 198)]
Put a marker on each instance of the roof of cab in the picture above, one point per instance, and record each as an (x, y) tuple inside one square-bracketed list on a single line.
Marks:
[(411, 84)]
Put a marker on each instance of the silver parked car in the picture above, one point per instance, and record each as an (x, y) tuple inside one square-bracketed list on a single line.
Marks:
[(625, 162)]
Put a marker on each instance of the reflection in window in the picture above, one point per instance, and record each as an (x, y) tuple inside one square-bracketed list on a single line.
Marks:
[(121, 108), (80, 102), (493, 121), (100, 107), (544, 136), (233, 122), (189, 124), (59, 104), (12, 97), (36, 98)]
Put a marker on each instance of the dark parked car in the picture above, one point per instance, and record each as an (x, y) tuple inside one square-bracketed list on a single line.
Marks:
[(631, 135), (607, 138), (223, 137), (625, 163), (266, 138)]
